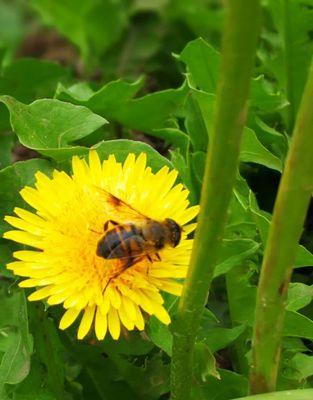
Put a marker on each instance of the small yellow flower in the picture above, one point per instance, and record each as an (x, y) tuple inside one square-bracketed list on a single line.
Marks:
[(66, 228)]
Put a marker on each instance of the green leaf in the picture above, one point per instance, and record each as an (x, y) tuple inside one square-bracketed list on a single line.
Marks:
[(299, 296), (48, 348), (11, 25), (160, 335), (15, 79), (262, 220), (203, 63), (34, 386), (218, 338), (263, 99), (290, 63), (198, 164), (6, 145), (183, 168), (229, 386), (6, 250), (274, 141), (154, 372), (15, 341), (48, 126), (114, 102), (105, 100), (253, 151), (204, 363), (108, 22), (202, 19), (134, 344), (199, 126), (122, 147), (301, 366), (297, 325), (199, 118), (300, 394), (233, 253), (12, 180)]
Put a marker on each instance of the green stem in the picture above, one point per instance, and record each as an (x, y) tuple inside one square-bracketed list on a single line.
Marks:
[(289, 213), (239, 45), (298, 394)]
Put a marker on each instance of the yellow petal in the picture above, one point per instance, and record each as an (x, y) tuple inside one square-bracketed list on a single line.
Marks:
[(101, 325), (171, 287), (40, 294), (69, 317), (162, 314), (125, 318), (139, 322), (114, 323), (24, 238), (86, 322)]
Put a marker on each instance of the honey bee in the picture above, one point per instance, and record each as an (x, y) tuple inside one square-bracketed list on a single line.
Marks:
[(131, 236)]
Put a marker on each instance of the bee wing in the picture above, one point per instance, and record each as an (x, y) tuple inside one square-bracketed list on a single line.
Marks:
[(118, 210)]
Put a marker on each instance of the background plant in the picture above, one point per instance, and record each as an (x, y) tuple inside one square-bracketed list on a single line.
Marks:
[(142, 67)]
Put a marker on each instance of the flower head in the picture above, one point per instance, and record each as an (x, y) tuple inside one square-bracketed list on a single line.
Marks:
[(66, 228)]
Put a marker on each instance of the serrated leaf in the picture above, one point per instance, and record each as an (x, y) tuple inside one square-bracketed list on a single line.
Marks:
[(104, 100), (253, 151), (203, 61), (114, 102)]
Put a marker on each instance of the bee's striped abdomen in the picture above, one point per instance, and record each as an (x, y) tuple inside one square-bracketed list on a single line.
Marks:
[(118, 242)]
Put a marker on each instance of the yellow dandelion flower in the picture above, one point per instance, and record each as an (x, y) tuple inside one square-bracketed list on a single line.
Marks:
[(67, 227)]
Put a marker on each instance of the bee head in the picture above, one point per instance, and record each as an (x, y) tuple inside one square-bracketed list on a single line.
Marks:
[(174, 232)]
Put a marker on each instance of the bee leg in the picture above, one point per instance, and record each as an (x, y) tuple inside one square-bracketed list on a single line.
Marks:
[(128, 263), (158, 256), (107, 223)]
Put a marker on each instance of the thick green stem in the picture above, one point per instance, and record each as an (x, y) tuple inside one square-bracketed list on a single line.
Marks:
[(239, 45), (289, 213)]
